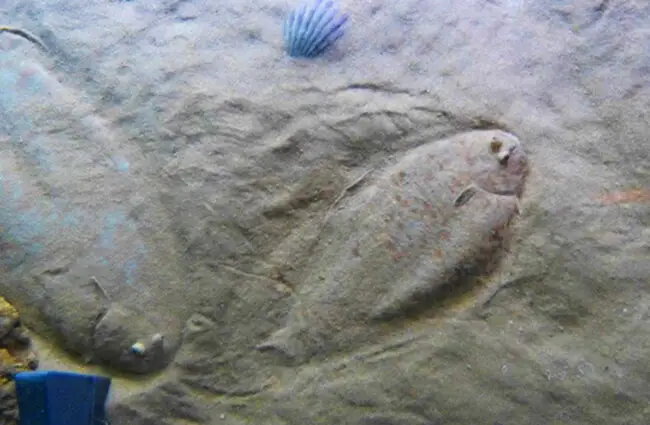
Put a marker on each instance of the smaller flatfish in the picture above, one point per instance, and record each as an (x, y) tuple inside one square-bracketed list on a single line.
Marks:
[(436, 219)]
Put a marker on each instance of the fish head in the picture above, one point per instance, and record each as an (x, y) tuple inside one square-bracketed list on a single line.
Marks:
[(498, 162)]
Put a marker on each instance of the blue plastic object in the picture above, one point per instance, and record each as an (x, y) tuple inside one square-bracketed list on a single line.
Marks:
[(61, 398)]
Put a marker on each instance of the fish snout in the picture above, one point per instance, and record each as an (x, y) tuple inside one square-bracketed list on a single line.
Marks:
[(505, 168), (515, 160)]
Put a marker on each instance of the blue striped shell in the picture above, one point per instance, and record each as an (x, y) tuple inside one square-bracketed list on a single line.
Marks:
[(312, 28)]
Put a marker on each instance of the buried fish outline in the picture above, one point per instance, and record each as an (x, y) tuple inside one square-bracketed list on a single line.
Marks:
[(440, 215)]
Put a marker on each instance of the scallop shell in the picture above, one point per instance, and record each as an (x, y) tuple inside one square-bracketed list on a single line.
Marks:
[(312, 28)]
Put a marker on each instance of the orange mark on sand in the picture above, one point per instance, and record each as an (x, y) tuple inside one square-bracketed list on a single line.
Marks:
[(625, 197)]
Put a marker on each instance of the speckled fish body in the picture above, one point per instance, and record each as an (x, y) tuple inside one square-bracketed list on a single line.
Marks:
[(438, 216)]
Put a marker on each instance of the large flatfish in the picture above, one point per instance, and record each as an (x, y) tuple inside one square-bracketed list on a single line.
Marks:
[(86, 255), (435, 220)]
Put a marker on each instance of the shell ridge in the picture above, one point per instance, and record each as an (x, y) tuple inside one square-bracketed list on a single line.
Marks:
[(320, 33), (287, 32), (312, 28), (296, 27), (329, 35), (305, 35), (314, 20), (315, 29)]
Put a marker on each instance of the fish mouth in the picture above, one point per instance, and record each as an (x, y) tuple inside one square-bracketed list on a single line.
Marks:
[(504, 156), (511, 173), (514, 160), (517, 167)]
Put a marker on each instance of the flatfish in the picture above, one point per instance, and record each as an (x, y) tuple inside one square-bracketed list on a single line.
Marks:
[(435, 220), (86, 256)]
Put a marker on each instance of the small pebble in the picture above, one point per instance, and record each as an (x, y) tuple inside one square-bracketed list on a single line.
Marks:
[(138, 348)]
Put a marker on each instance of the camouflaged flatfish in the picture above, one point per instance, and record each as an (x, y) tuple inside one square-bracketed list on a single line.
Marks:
[(81, 237), (437, 218)]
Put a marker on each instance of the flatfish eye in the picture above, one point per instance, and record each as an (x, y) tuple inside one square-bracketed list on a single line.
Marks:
[(504, 155), (497, 148)]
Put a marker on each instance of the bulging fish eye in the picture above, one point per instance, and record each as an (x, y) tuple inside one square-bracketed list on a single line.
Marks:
[(495, 145), (497, 148), (505, 155)]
